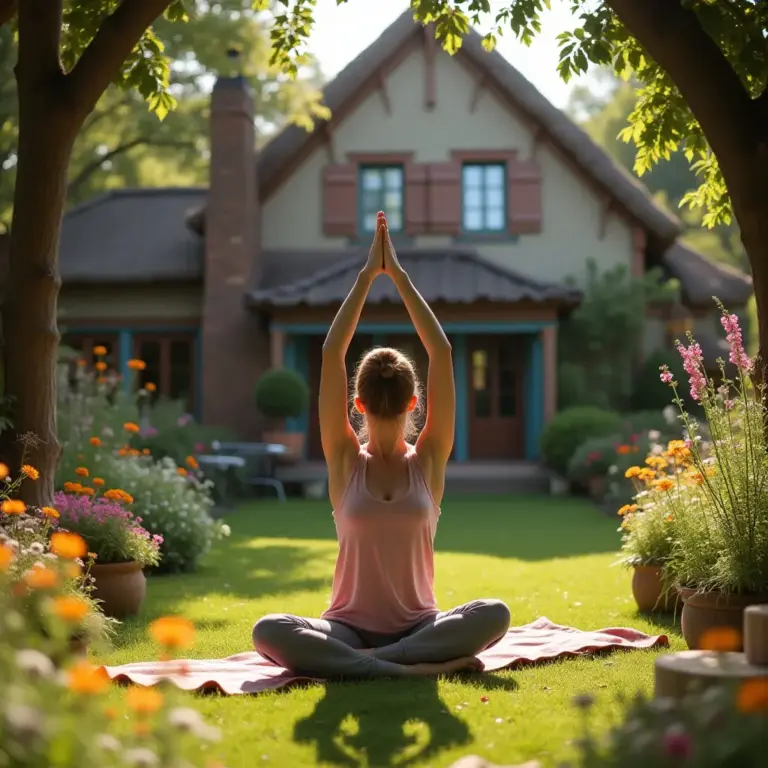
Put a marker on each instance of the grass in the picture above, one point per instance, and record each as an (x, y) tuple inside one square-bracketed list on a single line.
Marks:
[(544, 556)]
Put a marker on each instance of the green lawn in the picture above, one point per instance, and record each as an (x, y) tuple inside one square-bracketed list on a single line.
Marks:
[(545, 557)]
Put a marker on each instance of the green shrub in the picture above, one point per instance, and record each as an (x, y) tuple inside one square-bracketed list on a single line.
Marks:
[(594, 457), (640, 422), (170, 501), (570, 428), (281, 394)]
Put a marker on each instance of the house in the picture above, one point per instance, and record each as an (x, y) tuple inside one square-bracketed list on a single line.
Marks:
[(494, 197)]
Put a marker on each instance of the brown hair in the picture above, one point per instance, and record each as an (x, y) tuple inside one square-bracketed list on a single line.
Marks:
[(385, 382)]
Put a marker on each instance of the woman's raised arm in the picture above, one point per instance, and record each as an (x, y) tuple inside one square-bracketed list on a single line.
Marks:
[(337, 436), (436, 439)]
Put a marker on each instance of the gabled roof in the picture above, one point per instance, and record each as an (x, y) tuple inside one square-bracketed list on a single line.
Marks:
[(457, 276), (132, 235), (289, 146), (701, 279)]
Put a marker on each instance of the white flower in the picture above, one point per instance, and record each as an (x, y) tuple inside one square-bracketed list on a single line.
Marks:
[(34, 663), (26, 722), (654, 435), (141, 756), (12, 543), (191, 721), (108, 742), (225, 530), (36, 548)]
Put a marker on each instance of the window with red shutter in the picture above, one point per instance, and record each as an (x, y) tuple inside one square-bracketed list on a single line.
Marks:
[(444, 198), (340, 200), (417, 197), (524, 197)]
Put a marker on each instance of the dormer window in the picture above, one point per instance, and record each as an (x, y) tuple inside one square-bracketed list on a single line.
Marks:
[(381, 189)]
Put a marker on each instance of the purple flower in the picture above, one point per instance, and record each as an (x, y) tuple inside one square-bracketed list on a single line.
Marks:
[(184, 420), (148, 431)]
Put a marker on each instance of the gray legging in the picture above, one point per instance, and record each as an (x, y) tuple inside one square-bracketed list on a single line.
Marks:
[(330, 649)]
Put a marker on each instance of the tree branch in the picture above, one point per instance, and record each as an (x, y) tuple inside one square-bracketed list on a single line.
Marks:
[(8, 9), (101, 60), (675, 39), (39, 63), (120, 149)]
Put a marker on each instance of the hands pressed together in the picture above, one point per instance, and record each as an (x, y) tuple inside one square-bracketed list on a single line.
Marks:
[(382, 258)]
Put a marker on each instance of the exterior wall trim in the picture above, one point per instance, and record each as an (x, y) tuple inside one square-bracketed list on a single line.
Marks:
[(449, 327)]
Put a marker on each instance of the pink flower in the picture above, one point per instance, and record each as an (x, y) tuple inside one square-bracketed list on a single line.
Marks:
[(665, 375), (692, 363), (733, 335), (199, 447), (728, 404), (677, 742)]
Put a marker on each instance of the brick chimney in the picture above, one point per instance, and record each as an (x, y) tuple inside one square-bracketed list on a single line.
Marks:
[(234, 347)]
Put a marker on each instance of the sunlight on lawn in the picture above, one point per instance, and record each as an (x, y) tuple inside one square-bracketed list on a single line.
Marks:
[(545, 557)]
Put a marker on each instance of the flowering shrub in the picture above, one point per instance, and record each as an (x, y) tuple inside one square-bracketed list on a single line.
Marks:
[(721, 530), (600, 455), (62, 717), (172, 502), (717, 727), (113, 533)]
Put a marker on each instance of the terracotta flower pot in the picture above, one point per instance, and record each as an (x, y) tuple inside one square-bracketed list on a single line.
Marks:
[(703, 611), (121, 587), (649, 592)]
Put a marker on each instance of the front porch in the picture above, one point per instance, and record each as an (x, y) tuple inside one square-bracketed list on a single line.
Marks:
[(505, 377)]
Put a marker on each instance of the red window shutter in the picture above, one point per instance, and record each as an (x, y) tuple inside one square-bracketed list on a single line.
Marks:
[(524, 197), (416, 199), (340, 200), (444, 200)]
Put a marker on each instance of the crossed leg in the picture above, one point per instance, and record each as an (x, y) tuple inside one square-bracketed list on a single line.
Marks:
[(442, 644)]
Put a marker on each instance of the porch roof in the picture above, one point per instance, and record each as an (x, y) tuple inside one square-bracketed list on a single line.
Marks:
[(456, 276)]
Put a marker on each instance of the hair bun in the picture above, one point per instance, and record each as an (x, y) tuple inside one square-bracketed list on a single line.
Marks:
[(387, 370)]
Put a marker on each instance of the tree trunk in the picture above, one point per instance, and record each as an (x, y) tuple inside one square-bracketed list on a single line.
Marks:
[(46, 135)]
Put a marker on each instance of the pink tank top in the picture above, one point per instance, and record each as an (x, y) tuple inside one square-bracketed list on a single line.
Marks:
[(385, 568)]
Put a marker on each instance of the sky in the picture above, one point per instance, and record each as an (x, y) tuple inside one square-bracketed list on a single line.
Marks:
[(343, 31)]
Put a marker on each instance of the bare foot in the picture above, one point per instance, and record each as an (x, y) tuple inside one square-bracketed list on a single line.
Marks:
[(465, 664)]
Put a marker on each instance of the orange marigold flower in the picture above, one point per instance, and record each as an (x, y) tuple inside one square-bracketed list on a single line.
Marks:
[(68, 545), (81, 363), (101, 380), (150, 387), (98, 481), (82, 471), (101, 366), (627, 509), (123, 452), (172, 632), (721, 639), (192, 462), (72, 487), (14, 507), (669, 518), (84, 678), (72, 569), (29, 471), (137, 365), (70, 608), (181, 471), (86, 491), (100, 350), (50, 512), (118, 494), (134, 452), (95, 441), (632, 472), (6, 557), (145, 452), (129, 426), (144, 701), (698, 478), (142, 728), (665, 484), (623, 450), (4, 471), (111, 713), (646, 475), (41, 578), (657, 462), (753, 696)]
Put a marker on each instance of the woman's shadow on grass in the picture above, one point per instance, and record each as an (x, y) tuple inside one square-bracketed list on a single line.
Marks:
[(387, 722)]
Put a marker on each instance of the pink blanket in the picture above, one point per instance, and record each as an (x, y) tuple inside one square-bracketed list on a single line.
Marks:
[(541, 640)]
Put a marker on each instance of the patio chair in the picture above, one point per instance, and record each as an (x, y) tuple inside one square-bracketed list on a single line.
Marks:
[(259, 463)]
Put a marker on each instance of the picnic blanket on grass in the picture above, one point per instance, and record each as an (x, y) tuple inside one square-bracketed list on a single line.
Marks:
[(539, 641)]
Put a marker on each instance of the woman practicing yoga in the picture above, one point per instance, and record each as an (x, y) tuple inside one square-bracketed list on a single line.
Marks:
[(383, 620)]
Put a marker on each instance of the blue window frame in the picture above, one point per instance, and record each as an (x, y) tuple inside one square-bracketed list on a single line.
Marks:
[(381, 189), (484, 198)]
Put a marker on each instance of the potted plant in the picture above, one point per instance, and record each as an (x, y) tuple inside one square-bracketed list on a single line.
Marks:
[(648, 524), (119, 548), (720, 553), (589, 465), (282, 394)]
